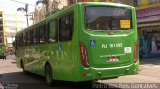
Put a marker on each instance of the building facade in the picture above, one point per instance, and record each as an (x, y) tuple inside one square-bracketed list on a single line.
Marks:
[(52, 6), (1, 29), (148, 14), (10, 23)]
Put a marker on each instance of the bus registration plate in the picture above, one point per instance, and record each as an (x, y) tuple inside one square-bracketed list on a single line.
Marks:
[(113, 59)]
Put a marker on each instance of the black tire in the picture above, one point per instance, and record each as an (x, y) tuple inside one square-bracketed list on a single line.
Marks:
[(49, 75), (22, 66)]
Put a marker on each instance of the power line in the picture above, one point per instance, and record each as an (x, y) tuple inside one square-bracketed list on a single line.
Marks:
[(22, 2)]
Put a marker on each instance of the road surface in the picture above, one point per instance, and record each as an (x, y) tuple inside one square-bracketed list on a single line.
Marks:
[(12, 77)]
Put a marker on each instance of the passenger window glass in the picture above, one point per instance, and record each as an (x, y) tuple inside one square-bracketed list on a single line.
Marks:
[(21, 40), (43, 35), (66, 27), (28, 38), (52, 32), (24, 40), (34, 36), (31, 37)]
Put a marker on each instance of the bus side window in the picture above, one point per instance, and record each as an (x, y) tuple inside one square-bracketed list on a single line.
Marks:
[(31, 37), (17, 41), (43, 34), (27, 38), (21, 39), (34, 36), (24, 39), (37, 35), (52, 31), (66, 27)]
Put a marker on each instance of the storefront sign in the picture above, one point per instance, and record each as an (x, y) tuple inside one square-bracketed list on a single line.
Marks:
[(148, 12)]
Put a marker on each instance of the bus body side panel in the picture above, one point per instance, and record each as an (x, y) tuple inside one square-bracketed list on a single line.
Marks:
[(78, 69), (67, 53)]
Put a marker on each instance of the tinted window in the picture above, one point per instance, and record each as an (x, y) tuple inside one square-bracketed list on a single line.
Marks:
[(27, 38), (34, 36), (31, 37), (52, 31), (37, 36), (21, 39), (43, 34), (17, 41), (24, 39), (66, 27), (107, 18)]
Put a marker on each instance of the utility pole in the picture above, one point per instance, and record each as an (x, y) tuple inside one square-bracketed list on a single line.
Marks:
[(26, 10)]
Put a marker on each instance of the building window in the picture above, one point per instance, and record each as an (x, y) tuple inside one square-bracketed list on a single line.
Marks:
[(128, 2), (139, 2), (66, 27), (153, 1)]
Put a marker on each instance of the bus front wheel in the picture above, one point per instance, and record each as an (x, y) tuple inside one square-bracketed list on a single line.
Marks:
[(48, 75)]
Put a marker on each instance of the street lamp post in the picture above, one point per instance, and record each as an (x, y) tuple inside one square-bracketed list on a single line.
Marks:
[(26, 10)]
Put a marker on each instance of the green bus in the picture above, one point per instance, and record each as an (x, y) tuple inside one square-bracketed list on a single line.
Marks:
[(84, 42)]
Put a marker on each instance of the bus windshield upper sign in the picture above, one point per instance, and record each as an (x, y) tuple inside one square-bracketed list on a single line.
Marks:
[(125, 24)]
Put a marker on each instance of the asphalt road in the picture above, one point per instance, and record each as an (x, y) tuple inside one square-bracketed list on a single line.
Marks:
[(12, 77)]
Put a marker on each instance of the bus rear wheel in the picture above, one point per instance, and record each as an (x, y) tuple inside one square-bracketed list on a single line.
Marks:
[(22, 66), (48, 75)]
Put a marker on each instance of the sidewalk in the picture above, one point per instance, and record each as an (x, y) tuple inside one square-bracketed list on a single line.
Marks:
[(9, 65), (10, 61), (149, 73)]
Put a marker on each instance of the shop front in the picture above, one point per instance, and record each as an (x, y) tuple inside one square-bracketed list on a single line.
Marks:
[(149, 32)]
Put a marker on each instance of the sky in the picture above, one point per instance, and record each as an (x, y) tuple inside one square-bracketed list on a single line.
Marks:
[(13, 5)]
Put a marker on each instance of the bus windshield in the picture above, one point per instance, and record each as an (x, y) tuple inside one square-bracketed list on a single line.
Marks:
[(107, 18)]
